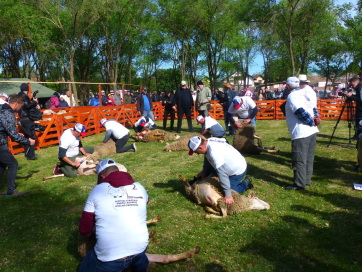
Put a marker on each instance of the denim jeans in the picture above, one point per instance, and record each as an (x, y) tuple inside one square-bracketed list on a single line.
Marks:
[(252, 121), (90, 263), (7, 160), (148, 113)]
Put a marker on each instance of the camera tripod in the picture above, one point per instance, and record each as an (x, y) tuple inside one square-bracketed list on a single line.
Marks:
[(350, 117)]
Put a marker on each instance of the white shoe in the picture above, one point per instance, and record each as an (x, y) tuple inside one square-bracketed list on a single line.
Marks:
[(134, 147)]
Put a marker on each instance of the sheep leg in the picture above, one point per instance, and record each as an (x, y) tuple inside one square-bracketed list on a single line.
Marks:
[(260, 143), (211, 210), (261, 149), (165, 259), (154, 220)]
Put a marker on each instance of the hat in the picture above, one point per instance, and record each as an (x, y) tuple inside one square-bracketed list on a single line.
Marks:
[(199, 118), (144, 121), (227, 85), (199, 83), (193, 144), (111, 92), (102, 121), (144, 89), (237, 102), (183, 82), (293, 82), (303, 79), (103, 91), (104, 164), (4, 95), (24, 87), (80, 128), (96, 94)]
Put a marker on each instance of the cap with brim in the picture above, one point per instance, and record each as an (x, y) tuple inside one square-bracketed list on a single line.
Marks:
[(237, 103), (102, 121), (104, 164), (193, 144), (81, 129), (183, 82), (199, 118), (4, 95)]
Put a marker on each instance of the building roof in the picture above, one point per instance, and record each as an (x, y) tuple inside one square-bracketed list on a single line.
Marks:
[(12, 86)]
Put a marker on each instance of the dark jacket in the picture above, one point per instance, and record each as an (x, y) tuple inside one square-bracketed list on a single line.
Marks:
[(183, 98), (357, 99), (168, 102), (8, 127), (226, 98), (28, 105), (140, 103)]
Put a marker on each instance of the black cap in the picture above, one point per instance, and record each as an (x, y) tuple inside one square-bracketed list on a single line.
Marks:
[(24, 87), (200, 83)]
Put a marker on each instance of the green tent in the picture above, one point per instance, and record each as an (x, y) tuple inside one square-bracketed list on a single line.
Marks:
[(12, 86)]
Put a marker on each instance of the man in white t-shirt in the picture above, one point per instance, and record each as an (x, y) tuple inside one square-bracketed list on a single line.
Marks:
[(302, 119), (70, 146), (144, 122), (118, 133), (245, 108), (224, 161), (116, 209), (210, 125)]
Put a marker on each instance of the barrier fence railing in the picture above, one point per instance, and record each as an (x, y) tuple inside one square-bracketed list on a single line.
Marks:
[(127, 115)]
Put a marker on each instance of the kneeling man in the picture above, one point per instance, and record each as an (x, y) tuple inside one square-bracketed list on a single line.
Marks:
[(70, 147), (223, 160)]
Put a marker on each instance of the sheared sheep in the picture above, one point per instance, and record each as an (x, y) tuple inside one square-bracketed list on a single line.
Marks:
[(102, 150), (87, 243), (208, 193), (157, 135), (244, 141), (181, 143)]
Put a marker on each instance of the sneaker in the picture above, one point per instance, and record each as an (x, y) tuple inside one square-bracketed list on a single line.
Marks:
[(57, 170), (293, 187), (249, 180), (32, 158), (15, 193), (134, 147)]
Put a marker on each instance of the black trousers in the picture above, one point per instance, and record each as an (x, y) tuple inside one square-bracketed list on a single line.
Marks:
[(120, 144), (7, 160), (166, 113), (29, 132), (180, 114)]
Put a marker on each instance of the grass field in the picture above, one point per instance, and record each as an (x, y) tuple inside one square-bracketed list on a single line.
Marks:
[(319, 229)]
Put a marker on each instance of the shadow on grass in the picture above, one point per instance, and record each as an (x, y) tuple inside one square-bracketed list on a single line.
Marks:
[(214, 267), (336, 244), (174, 185)]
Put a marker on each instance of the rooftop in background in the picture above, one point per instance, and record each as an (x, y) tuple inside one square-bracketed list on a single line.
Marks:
[(12, 86)]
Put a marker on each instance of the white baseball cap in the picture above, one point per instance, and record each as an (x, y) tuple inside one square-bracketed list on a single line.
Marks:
[(193, 144), (199, 118), (102, 121), (80, 128), (183, 82), (104, 164)]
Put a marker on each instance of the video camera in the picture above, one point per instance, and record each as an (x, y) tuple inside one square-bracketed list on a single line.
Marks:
[(38, 127), (344, 91), (35, 93)]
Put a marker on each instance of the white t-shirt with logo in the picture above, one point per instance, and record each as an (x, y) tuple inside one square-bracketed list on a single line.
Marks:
[(219, 153), (300, 98), (120, 215), (117, 129), (245, 109), (69, 142)]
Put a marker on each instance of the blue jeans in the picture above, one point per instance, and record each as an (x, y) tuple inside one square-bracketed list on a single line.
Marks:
[(252, 121), (148, 113), (90, 263)]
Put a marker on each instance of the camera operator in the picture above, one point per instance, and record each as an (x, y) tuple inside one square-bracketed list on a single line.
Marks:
[(355, 84), (28, 114)]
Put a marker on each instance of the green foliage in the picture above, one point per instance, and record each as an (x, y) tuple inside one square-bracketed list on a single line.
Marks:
[(313, 230)]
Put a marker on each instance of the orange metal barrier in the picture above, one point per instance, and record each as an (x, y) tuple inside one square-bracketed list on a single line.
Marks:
[(127, 115)]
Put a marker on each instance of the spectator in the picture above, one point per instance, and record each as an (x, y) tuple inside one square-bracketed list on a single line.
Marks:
[(144, 104), (117, 98), (94, 100), (203, 99), (4, 98), (169, 109), (116, 211), (184, 102), (104, 98), (110, 101), (8, 129), (127, 98), (226, 97), (67, 97), (62, 102), (54, 101)]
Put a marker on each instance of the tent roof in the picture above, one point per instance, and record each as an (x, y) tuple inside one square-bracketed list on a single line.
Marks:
[(10, 87)]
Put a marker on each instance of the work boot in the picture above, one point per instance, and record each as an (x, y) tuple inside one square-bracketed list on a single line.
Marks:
[(15, 193)]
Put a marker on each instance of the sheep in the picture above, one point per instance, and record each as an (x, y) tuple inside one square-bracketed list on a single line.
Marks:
[(157, 135), (87, 243), (102, 150), (208, 193), (181, 143), (244, 141)]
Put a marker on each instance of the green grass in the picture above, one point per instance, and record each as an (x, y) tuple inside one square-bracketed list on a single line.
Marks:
[(314, 230)]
